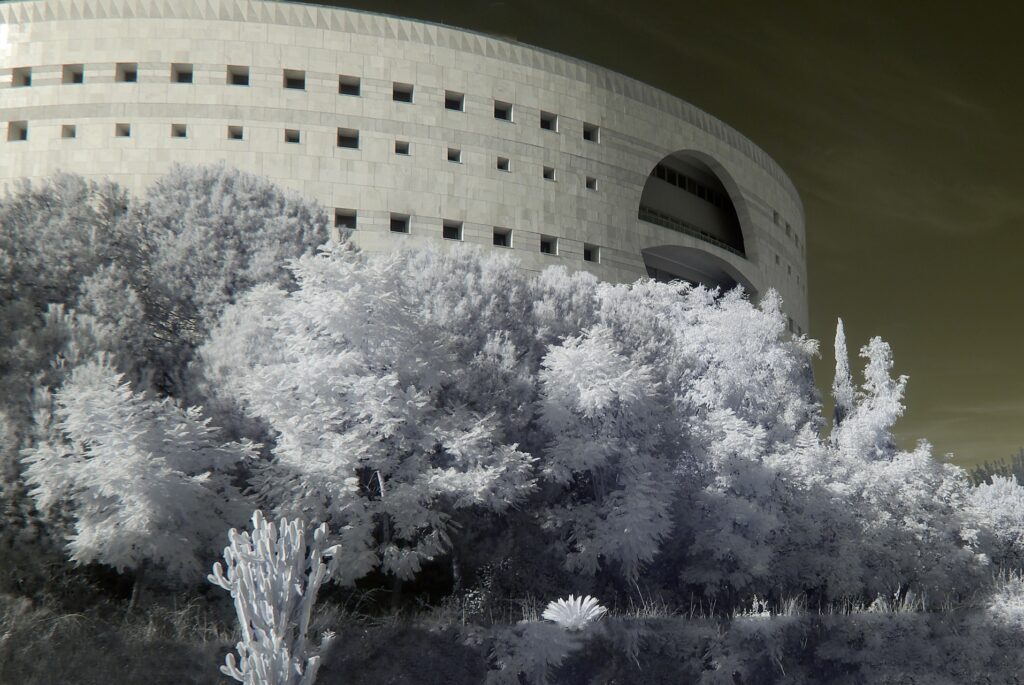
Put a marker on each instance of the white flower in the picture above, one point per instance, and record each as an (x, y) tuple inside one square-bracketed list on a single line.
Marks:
[(574, 613)]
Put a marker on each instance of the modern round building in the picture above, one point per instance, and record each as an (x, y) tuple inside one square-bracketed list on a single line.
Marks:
[(410, 132)]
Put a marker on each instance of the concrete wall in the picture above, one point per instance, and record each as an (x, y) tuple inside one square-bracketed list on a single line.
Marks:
[(639, 126)]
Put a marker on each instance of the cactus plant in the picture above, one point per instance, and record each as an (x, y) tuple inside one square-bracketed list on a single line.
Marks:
[(274, 584)]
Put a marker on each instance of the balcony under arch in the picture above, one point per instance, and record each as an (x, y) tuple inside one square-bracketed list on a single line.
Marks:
[(679, 263), (685, 194)]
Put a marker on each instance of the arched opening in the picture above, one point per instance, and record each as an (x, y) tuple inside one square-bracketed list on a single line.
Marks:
[(684, 194), (674, 262)]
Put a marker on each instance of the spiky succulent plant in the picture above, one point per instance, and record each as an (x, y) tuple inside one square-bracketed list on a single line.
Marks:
[(574, 613)]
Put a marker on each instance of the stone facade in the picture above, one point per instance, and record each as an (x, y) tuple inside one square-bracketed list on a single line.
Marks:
[(91, 86)]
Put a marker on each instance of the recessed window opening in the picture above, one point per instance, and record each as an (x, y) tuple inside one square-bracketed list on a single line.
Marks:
[(455, 155), (126, 72), (68, 131), (775, 216), (21, 77), (504, 164), (235, 133), (345, 218), (181, 73), (17, 130), (349, 85), (399, 223), (549, 121), (591, 132), (294, 79), (503, 110), (502, 237), (238, 75), (549, 245), (789, 230), (401, 92), (292, 135), (179, 131), (72, 74), (401, 147), (777, 260), (123, 130), (591, 183), (454, 101), (549, 173), (591, 253), (452, 230), (348, 137)]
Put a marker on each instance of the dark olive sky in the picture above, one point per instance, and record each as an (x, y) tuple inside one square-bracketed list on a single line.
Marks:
[(899, 123)]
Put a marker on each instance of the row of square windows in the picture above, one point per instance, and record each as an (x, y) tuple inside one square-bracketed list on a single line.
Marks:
[(295, 79), (347, 138), (452, 230)]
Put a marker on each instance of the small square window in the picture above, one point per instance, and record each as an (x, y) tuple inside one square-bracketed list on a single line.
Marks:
[(502, 237), (17, 130), (455, 155), (21, 77), (238, 75), (591, 183), (777, 260), (775, 216), (294, 79), (549, 121), (345, 218), (503, 110), (236, 133), (454, 101), (123, 130), (549, 244), (591, 253), (504, 164), (349, 85), (549, 173), (401, 147), (452, 230), (591, 132), (401, 92), (181, 73), (72, 74), (292, 135), (399, 223), (68, 131), (179, 131), (348, 137), (126, 72), (789, 230)]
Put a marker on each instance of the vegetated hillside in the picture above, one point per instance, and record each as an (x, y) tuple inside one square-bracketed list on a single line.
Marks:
[(479, 440)]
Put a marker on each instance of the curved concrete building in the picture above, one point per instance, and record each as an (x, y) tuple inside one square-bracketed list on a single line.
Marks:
[(409, 131)]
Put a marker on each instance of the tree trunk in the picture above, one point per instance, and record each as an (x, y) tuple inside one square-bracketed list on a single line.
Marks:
[(140, 576)]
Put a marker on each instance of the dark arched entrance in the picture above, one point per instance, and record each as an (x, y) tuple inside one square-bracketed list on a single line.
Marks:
[(685, 194)]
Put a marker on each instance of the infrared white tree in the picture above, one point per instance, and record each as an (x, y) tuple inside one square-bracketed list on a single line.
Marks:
[(842, 382), (358, 386), (867, 428), (144, 481)]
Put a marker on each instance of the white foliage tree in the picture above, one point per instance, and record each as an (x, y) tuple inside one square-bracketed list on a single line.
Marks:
[(998, 507), (867, 428), (144, 481), (273, 577), (356, 384), (842, 383), (604, 414)]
